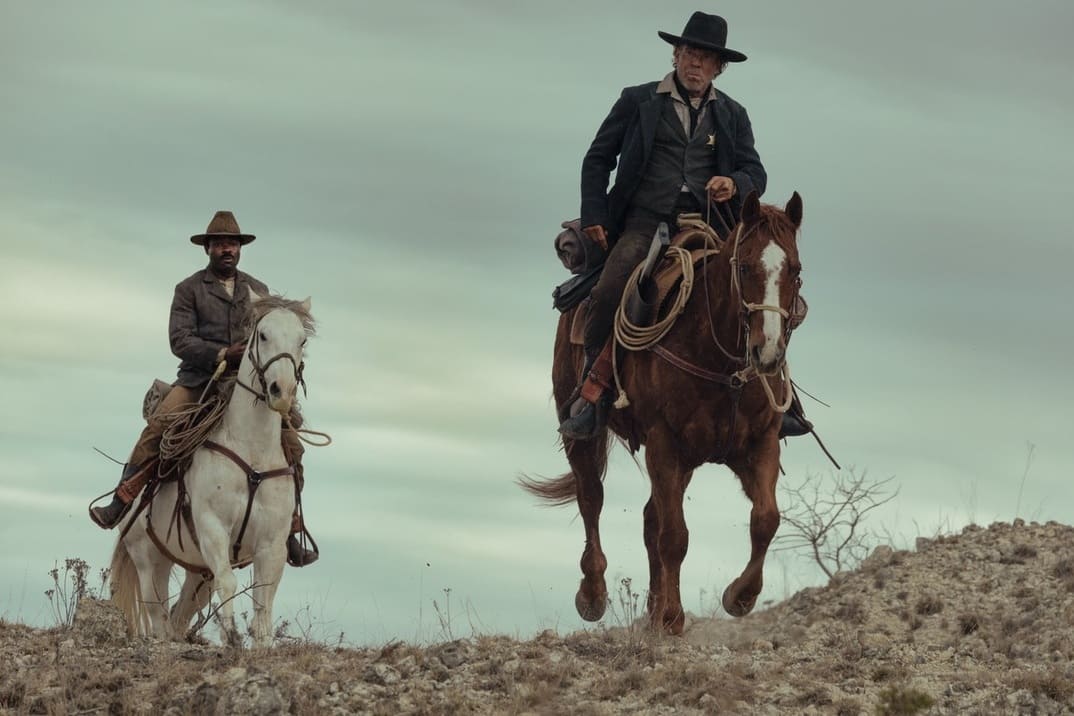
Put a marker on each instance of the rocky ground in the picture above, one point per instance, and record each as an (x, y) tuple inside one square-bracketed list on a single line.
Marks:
[(976, 623)]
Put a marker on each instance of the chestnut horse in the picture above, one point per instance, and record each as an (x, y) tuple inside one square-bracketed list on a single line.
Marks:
[(699, 397)]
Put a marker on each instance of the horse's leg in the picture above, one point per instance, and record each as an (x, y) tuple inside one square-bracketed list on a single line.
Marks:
[(153, 569), (666, 535), (162, 571), (588, 459), (268, 569), (193, 597), (758, 476), (650, 531), (214, 550)]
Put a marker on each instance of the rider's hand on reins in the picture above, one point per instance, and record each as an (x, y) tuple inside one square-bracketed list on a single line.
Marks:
[(720, 188), (233, 354)]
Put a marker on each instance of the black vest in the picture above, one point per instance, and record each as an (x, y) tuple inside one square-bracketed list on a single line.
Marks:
[(675, 160)]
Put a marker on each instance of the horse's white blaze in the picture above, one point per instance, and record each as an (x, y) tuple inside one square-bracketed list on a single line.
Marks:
[(772, 259)]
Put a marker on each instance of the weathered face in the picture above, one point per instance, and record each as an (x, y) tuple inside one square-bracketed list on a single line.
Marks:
[(223, 255), (696, 68)]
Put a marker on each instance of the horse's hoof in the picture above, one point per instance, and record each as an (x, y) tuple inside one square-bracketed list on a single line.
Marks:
[(590, 610), (234, 639), (734, 605)]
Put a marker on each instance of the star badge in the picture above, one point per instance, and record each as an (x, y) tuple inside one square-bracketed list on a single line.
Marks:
[(711, 142)]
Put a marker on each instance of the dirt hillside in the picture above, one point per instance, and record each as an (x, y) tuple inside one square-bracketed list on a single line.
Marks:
[(976, 623)]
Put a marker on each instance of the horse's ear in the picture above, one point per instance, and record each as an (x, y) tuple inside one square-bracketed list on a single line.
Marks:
[(306, 304), (254, 298), (751, 207), (794, 210)]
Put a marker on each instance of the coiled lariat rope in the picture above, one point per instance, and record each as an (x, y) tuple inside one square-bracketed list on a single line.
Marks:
[(188, 428), (634, 337)]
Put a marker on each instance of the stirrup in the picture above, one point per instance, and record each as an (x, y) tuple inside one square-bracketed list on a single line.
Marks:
[(589, 422), (297, 554), (794, 425)]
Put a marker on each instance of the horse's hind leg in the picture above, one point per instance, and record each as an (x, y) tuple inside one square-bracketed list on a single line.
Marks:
[(758, 477), (666, 535), (588, 461), (194, 596)]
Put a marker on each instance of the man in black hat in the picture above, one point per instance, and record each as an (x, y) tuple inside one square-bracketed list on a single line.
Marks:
[(208, 312), (680, 146)]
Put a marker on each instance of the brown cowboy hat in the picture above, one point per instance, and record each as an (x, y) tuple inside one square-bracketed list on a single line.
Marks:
[(709, 32), (223, 224)]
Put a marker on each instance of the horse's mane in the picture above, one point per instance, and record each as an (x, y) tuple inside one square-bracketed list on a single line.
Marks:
[(271, 302)]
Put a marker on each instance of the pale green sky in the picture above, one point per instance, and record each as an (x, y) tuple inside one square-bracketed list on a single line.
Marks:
[(408, 164)]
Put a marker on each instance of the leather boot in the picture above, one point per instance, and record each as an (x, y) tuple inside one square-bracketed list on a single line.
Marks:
[(589, 421), (109, 516), (297, 554), (588, 414), (794, 421)]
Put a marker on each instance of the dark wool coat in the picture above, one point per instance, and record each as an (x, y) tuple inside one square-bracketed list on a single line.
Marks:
[(205, 319), (627, 134)]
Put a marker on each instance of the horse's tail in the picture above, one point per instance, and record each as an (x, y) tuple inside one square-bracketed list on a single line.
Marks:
[(563, 490), (556, 491), (126, 590)]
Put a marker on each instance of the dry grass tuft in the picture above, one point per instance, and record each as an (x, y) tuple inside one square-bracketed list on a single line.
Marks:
[(968, 624), (896, 700), (928, 606), (1052, 683)]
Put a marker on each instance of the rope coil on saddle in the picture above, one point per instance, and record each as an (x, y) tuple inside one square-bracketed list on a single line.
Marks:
[(188, 428), (633, 337)]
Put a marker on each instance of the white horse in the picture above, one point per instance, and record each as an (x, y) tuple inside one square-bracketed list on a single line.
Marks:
[(241, 512)]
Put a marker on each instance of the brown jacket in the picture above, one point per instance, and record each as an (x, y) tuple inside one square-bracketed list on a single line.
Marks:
[(205, 319)]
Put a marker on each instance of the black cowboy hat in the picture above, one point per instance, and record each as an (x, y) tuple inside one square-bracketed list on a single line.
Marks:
[(709, 32), (223, 225)]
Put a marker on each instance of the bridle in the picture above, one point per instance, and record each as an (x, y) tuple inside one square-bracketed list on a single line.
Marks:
[(254, 351), (747, 309)]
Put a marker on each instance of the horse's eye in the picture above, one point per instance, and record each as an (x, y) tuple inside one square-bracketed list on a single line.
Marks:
[(261, 335)]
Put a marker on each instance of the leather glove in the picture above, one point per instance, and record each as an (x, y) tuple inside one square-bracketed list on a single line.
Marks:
[(597, 233)]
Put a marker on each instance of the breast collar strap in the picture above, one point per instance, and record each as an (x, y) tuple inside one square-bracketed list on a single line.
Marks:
[(253, 481)]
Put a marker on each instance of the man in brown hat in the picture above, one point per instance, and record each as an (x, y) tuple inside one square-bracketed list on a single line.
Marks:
[(205, 328), (680, 146)]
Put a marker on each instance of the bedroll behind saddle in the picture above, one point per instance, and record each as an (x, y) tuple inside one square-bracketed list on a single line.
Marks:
[(584, 258)]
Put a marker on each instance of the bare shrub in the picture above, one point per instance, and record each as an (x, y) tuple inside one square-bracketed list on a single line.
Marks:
[(70, 584), (827, 521)]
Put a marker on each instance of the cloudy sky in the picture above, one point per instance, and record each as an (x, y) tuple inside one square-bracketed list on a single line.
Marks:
[(407, 164)]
